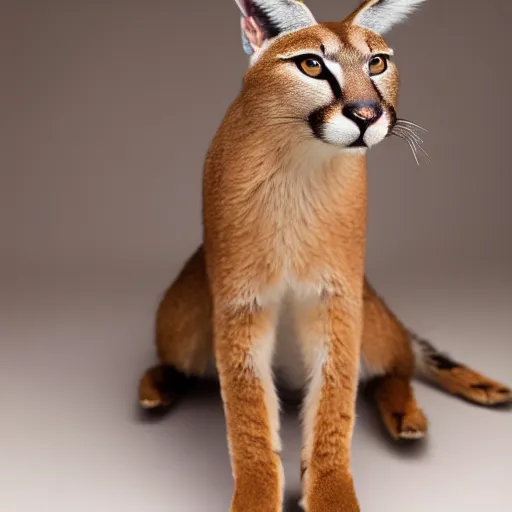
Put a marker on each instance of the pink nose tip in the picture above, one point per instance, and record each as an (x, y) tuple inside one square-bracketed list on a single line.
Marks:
[(367, 113), (363, 114)]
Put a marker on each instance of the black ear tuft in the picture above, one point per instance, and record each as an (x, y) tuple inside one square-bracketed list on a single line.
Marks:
[(269, 26)]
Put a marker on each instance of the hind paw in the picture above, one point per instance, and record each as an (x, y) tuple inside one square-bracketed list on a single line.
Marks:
[(160, 388), (154, 403), (489, 393), (399, 410), (475, 387), (151, 397)]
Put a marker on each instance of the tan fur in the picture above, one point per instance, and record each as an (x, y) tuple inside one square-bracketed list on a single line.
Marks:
[(285, 224)]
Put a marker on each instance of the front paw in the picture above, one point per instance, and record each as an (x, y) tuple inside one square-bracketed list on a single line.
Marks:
[(252, 495), (331, 494)]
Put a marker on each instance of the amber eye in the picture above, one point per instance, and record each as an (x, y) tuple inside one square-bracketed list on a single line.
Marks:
[(378, 65), (311, 67)]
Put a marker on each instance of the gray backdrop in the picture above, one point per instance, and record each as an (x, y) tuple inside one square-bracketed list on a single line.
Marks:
[(107, 109)]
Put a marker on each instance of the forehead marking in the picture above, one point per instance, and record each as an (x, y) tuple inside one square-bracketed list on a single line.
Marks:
[(359, 43), (335, 68)]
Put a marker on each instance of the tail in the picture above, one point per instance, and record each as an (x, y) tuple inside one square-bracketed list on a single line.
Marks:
[(456, 378)]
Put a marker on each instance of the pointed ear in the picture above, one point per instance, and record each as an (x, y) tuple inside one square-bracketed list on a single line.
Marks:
[(381, 15), (263, 20)]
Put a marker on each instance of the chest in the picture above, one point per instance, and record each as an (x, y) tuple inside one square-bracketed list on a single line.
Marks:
[(309, 226), (299, 230)]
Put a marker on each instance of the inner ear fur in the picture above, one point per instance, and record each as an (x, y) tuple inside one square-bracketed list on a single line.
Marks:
[(380, 16), (266, 19)]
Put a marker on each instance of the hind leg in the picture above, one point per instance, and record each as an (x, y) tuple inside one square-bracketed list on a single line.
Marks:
[(388, 357), (182, 335)]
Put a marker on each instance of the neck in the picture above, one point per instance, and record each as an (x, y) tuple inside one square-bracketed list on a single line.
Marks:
[(253, 148)]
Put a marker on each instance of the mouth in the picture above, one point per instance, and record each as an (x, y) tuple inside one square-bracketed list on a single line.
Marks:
[(359, 143)]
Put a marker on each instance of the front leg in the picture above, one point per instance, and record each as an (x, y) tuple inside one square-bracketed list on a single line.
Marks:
[(330, 340), (244, 345)]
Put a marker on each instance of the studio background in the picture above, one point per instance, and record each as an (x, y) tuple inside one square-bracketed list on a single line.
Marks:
[(107, 110)]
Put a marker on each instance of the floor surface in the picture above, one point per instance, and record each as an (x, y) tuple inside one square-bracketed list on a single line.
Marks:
[(73, 441)]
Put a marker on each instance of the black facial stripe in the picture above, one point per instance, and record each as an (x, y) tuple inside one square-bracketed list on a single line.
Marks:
[(317, 118), (394, 118), (377, 90), (325, 75), (387, 106), (316, 122), (335, 85)]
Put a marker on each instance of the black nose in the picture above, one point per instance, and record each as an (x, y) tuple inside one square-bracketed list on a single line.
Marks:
[(363, 114)]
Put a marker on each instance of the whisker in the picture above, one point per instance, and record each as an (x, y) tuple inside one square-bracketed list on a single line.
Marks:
[(411, 123), (423, 150), (404, 137), (407, 130), (410, 132), (406, 122), (413, 149), (416, 141), (413, 134)]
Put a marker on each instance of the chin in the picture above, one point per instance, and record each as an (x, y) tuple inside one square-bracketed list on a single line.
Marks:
[(355, 150)]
